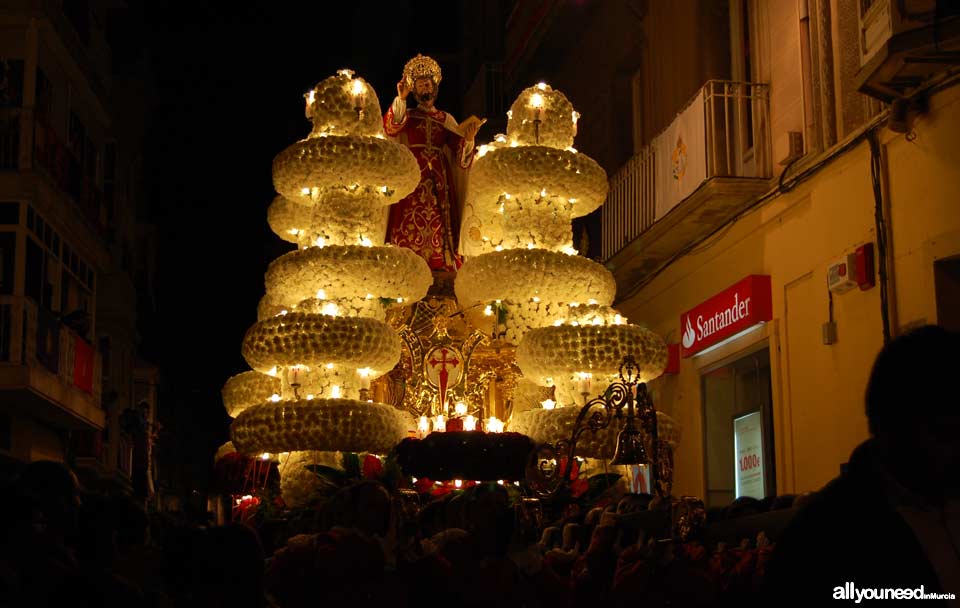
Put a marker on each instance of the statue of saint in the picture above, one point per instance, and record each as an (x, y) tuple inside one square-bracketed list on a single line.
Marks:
[(428, 220)]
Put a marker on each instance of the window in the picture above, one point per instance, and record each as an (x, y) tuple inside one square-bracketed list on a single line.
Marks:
[(8, 252), (103, 347), (43, 105), (738, 425), (10, 213)]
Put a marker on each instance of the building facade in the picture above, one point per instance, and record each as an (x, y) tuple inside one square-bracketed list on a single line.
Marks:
[(783, 199), (69, 191)]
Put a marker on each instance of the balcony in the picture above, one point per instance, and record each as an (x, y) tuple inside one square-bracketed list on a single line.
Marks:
[(694, 177), (46, 369)]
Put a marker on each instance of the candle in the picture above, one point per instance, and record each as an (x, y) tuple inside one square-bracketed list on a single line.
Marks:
[(469, 423), (549, 404), (423, 426), (440, 423), (364, 373), (494, 425), (460, 408), (357, 90), (583, 382), (536, 102), (335, 391)]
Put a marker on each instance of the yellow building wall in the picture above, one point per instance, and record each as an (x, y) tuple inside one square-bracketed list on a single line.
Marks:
[(817, 389)]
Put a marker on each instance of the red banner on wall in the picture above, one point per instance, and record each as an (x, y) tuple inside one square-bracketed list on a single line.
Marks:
[(83, 365), (730, 312)]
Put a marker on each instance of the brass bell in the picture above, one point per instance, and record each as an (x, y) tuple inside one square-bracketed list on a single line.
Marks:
[(630, 448)]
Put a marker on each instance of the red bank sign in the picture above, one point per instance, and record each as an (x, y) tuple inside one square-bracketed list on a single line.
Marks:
[(733, 310)]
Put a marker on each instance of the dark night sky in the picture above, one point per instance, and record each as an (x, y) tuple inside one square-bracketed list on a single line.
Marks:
[(223, 96)]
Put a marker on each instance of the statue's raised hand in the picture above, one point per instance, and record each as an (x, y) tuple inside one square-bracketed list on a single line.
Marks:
[(402, 89)]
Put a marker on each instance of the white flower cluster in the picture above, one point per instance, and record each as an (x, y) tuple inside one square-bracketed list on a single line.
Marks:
[(298, 484), (313, 340), (332, 107), (310, 168), (342, 271), (289, 220), (531, 172), (223, 450), (344, 217), (541, 223), (557, 119), (550, 352), (247, 389), (523, 274), (550, 426), (592, 314), (366, 307), (345, 425)]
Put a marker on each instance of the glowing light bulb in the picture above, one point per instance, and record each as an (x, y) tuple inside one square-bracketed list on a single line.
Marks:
[(458, 482), (335, 391), (543, 193), (535, 299), (329, 365), (592, 302), (530, 245), (330, 309), (309, 397), (265, 456), (488, 311), (321, 294), (618, 320), (357, 88), (558, 323), (573, 304), (369, 296), (274, 397), (572, 149), (548, 404), (498, 248), (365, 241), (320, 242), (542, 86), (500, 482), (536, 100), (482, 150), (305, 191), (460, 408), (597, 321), (399, 300), (570, 251), (281, 313)]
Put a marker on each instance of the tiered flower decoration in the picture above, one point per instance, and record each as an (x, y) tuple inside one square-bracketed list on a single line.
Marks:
[(525, 189), (321, 337)]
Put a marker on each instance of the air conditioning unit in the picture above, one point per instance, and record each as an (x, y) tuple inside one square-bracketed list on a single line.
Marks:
[(881, 19), (905, 43)]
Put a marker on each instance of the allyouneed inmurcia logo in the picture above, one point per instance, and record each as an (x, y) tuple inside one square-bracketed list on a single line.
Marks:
[(849, 591)]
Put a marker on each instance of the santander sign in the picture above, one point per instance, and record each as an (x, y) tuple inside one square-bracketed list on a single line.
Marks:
[(728, 313)]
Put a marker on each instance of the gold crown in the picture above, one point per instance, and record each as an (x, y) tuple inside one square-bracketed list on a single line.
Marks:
[(422, 66)]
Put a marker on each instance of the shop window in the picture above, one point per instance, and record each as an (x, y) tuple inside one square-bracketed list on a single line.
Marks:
[(738, 425)]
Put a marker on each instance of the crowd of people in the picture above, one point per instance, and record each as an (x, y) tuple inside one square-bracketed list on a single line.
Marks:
[(484, 547)]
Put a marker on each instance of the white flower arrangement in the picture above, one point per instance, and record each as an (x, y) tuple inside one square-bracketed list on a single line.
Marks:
[(346, 425), (550, 426), (569, 179), (223, 450), (247, 389), (288, 220), (557, 118), (520, 275), (551, 352), (310, 168), (312, 340), (332, 106), (343, 217), (518, 223), (298, 483), (343, 271)]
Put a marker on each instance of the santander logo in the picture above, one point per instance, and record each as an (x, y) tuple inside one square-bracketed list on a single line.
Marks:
[(689, 336), (735, 309)]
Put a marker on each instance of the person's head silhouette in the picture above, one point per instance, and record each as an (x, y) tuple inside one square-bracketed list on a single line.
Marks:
[(914, 412)]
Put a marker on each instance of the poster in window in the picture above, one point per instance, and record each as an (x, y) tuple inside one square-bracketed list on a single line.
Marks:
[(748, 452)]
